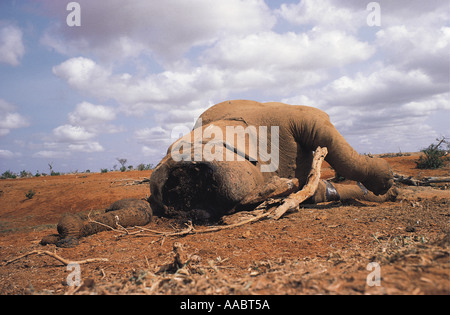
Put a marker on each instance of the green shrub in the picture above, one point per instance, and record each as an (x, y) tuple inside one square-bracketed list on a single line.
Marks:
[(30, 194), (8, 174), (24, 174), (143, 167), (433, 157), (103, 170)]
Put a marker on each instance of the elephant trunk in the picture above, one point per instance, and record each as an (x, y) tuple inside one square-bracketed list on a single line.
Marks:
[(374, 173)]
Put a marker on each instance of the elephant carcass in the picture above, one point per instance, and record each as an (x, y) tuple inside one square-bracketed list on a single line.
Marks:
[(239, 154), (241, 151)]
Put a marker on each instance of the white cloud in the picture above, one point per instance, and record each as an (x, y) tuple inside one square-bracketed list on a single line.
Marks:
[(417, 47), (152, 152), (138, 94), (370, 80), (10, 119), (168, 28), (48, 154), (88, 114), (12, 48), (6, 154), (324, 14), (289, 51), (86, 147), (94, 118), (275, 63), (151, 134), (69, 133)]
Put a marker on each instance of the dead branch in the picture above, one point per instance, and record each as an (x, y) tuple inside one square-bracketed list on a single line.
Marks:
[(133, 181), (308, 190), (427, 181), (57, 257)]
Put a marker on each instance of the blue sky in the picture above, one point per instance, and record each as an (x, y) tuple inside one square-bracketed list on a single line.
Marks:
[(117, 86)]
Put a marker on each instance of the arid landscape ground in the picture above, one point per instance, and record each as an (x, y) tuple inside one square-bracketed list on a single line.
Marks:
[(321, 249)]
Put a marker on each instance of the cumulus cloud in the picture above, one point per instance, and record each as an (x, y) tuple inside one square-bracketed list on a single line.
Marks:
[(138, 94), (301, 51), (51, 154), (166, 28), (85, 123), (10, 119), (12, 48), (6, 154), (369, 80), (417, 47), (69, 133), (94, 118), (326, 15), (86, 147)]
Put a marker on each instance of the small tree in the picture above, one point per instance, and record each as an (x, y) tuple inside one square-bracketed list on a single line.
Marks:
[(122, 162), (434, 155)]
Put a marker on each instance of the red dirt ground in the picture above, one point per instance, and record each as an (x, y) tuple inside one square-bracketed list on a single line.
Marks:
[(322, 249)]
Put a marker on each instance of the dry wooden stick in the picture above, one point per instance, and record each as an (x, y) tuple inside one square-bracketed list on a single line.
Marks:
[(308, 190), (57, 257)]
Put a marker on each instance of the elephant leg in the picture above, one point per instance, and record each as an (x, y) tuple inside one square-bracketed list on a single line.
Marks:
[(126, 212), (328, 191)]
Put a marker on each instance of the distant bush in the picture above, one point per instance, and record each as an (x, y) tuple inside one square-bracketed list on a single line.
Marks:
[(52, 172), (103, 170), (144, 167), (8, 174), (24, 174), (434, 156), (30, 194)]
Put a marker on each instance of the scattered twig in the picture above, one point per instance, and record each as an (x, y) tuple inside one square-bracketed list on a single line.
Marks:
[(427, 181), (57, 257)]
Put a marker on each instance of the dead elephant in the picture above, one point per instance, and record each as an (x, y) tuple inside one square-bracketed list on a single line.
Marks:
[(242, 152)]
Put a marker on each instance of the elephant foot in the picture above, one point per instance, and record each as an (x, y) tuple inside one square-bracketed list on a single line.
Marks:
[(326, 191), (56, 239)]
